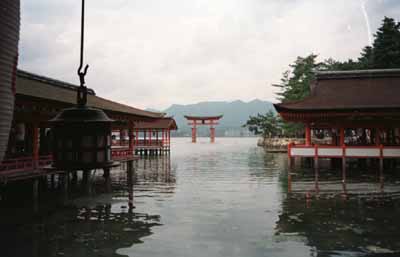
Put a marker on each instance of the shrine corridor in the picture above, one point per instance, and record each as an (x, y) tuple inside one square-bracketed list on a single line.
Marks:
[(224, 199)]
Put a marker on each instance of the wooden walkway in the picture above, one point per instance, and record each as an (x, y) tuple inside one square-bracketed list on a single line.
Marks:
[(28, 168)]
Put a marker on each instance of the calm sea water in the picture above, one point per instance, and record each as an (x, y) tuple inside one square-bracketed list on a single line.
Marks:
[(230, 198)]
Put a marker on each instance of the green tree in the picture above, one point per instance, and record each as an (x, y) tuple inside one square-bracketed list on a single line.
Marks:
[(383, 54), (295, 85), (366, 61), (385, 51), (295, 82), (331, 64), (268, 125)]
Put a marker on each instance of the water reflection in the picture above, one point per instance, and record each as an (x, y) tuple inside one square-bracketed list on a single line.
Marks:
[(226, 199), (95, 225), (74, 231), (352, 217)]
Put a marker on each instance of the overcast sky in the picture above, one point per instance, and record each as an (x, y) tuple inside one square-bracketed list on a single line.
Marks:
[(154, 53)]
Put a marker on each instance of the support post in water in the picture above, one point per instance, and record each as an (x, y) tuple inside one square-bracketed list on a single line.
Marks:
[(343, 170), (212, 134), (290, 168), (316, 169), (194, 134), (74, 179), (87, 181), (52, 181), (35, 193), (130, 174), (107, 180), (64, 185), (343, 164)]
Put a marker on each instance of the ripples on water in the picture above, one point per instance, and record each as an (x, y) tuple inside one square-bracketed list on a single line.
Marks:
[(226, 199)]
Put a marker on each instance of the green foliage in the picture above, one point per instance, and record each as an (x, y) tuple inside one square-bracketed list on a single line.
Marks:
[(331, 64), (295, 85), (272, 125), (295, 82), (268, 125), (385, 52), (290, 129), (366, 60)]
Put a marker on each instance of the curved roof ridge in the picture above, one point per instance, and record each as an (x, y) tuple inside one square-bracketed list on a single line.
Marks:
[(37, 86), (338, 90), (370, 73), (54, 82)]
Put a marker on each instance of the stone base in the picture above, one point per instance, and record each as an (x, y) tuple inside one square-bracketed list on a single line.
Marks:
[(278, 144)]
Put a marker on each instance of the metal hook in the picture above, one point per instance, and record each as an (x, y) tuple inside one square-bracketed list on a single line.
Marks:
[(82, 74), (82, 91)]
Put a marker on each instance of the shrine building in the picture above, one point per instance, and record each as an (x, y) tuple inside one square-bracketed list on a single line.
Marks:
[(349, 114), (39, 99)]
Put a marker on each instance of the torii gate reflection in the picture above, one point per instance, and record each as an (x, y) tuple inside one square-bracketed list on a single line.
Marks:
[(195, 121)]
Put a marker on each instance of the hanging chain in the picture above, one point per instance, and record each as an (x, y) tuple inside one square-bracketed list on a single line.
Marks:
[(82, 91)]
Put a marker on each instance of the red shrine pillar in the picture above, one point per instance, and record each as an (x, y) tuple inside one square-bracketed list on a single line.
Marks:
[(194, 132), (162, 137), (150, 132), (131, 140), (212, 131), (169, 137), (212, 134), (341, 137), (308, 135)]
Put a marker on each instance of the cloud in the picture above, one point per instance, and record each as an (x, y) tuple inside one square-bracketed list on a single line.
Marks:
[(155, 53)]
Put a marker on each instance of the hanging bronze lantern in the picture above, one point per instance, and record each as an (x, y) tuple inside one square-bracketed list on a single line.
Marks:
[(81, 135), (9, 37), (82, 139)]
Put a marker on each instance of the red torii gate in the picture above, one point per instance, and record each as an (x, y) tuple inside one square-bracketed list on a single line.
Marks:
[(194, 121)]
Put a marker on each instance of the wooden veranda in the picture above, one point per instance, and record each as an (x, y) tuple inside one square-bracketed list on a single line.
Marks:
[(38, 99)]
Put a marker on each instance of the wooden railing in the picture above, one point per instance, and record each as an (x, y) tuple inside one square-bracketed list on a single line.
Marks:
[(141, 142), (28, 163), (330, 151), (120, 143), (119, 154), (153, 142), (25, 163)]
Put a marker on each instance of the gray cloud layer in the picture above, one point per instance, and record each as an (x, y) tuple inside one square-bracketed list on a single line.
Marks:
[(154, 53)]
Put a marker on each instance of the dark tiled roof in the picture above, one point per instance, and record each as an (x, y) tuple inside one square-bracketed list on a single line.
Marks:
[(32, 85), (350, 90), (162, 123), (203, 117), (50, 81)]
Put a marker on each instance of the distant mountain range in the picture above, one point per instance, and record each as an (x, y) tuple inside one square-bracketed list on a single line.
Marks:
[(235, 114)]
